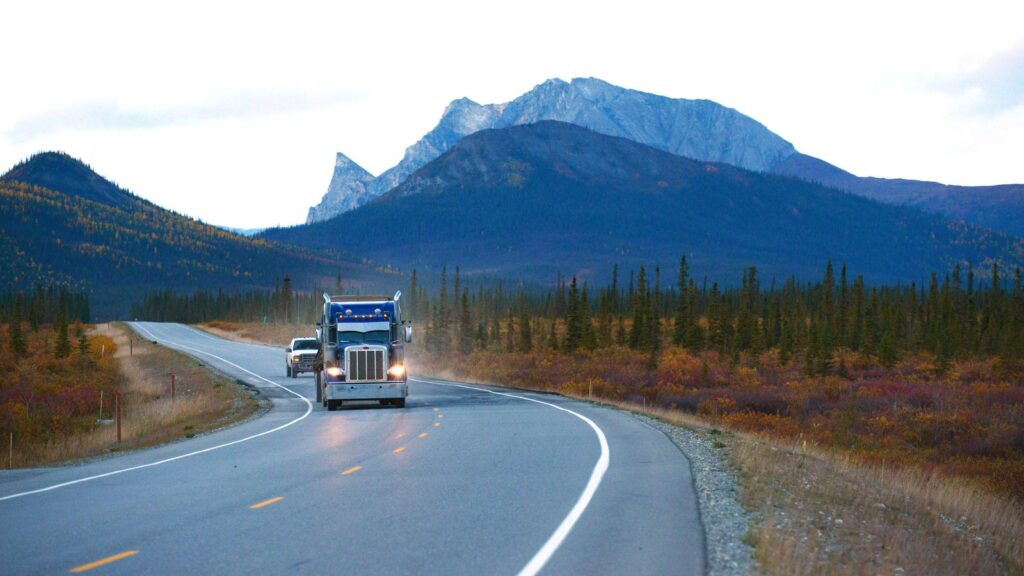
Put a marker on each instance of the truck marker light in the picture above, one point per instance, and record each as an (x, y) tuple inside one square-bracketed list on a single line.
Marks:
[(335, 371)]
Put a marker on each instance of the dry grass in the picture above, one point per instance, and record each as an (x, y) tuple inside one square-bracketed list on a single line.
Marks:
[(204, 401), (819, 512), (254, 333)]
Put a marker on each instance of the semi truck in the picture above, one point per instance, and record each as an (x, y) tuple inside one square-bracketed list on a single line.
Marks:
[(361, 353)]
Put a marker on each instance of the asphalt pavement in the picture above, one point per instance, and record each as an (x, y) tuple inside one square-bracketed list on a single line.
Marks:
[(466, 479)]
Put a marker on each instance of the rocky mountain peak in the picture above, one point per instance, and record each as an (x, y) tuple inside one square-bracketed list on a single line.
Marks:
[(698, 129), (347, 190)]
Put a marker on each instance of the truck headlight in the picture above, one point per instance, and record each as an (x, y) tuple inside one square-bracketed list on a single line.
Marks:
[(335, 371), (397, 371), (295, 358)]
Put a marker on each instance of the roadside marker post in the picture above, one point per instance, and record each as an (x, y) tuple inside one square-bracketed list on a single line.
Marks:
[(117, 400), (131, 347), (101, 403), (173, 386)]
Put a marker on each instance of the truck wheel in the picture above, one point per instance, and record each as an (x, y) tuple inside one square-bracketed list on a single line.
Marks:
[(398, 403), (288, 371), (332, 405), (319, 390)]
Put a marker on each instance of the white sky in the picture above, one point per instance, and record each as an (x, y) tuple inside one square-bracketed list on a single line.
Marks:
[(232, 112)]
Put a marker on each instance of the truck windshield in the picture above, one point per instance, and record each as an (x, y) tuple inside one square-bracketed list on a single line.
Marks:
[(308, 344), (372, 337)]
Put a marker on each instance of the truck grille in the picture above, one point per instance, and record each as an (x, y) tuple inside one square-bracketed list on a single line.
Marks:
[(366, 365)]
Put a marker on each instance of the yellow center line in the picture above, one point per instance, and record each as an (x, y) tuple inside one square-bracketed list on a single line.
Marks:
[(436, 408), (107, 560), (397, 436), (399, 450), (436, 424), (440, 415), (351, 470), (266, 503), (423, 435)]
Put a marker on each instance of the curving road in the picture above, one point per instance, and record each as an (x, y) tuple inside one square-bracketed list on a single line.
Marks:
[(465, 480)]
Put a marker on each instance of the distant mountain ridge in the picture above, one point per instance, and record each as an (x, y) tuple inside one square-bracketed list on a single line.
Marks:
[(87, 232), (699, 129), (998, 207), (528, 201)]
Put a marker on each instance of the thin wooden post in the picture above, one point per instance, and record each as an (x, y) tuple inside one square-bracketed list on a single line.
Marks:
[(173, 387), (131, 346), (117, 400), (10, 452), (101, 404)]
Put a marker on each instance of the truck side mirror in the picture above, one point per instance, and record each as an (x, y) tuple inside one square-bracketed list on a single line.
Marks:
[(287, 349), (408, 333)]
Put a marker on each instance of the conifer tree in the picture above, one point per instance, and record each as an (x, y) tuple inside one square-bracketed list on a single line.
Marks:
[(620, 331), (17, 337), (63, 349), (443, 324), (465, 325), (887, 354), (525, 331), (573, 320), (681, 328), (553, 336), (588, 335), (510, 333), (286, 299)]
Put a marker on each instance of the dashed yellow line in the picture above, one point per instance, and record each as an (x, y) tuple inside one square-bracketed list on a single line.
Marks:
[(399, 450), (436, 408), (423, 435), (352, 470), (440, 415), (266, 503), (104, 561), (436, 424)]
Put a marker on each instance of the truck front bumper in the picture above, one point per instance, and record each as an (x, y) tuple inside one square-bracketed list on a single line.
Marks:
[(366, 391)]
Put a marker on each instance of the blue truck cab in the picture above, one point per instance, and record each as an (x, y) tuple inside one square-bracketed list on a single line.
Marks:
[(361, 354)]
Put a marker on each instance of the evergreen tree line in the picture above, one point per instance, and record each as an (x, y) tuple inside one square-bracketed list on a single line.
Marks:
[(955, 316), (282, 305), (53, 305)]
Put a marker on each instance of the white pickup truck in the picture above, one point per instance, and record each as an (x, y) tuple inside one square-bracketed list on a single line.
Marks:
[(299, 356)]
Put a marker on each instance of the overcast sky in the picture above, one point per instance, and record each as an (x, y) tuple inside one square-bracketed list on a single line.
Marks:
[(232, 113)]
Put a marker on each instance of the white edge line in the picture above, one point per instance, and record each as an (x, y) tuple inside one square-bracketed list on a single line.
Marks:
[(309, 409), (558, 536)]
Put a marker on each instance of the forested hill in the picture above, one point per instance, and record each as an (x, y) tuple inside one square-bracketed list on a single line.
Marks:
[(120, 246), (529, 201), (62, 173)]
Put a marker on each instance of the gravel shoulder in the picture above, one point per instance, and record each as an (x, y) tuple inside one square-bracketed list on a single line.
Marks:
[(726, 522)]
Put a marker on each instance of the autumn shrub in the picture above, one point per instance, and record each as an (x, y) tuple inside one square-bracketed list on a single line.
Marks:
[(966, 421)]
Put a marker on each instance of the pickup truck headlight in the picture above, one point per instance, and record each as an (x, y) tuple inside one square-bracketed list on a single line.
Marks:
[(295, 358), (335, 371), (397, 371)]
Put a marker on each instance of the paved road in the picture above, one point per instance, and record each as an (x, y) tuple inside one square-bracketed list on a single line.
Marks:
[(464, 480)]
